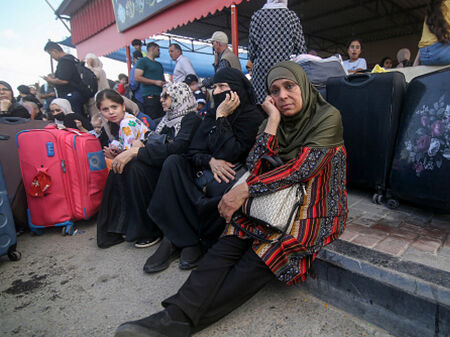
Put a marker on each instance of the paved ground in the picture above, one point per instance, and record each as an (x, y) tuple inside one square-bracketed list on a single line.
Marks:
[(409, 233), (66, 286)]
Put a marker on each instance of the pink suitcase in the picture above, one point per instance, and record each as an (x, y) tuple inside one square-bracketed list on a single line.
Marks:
[(64, 173)]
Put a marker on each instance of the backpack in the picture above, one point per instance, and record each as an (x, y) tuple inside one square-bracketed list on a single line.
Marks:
[(89, 82)]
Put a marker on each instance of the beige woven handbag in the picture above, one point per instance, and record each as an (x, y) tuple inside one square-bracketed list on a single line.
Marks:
[(277, 211)]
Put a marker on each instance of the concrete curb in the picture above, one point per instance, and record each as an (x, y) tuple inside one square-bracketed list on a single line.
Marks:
[(416, 279)]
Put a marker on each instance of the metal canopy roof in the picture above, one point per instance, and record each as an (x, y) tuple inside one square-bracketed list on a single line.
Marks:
[(327, 24), (383, 25)]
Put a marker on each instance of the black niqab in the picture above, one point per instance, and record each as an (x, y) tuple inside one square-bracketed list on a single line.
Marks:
[(207, 139)]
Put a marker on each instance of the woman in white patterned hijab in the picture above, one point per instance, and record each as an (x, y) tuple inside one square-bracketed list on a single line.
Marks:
[(182, 102)]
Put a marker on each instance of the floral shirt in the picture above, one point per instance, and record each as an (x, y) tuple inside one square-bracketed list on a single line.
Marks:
[(131, 129)]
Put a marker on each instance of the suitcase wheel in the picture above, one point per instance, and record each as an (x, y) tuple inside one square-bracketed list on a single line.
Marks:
[(67, 230), (392, 204), (37, 232), (14, 255), (377, 198)]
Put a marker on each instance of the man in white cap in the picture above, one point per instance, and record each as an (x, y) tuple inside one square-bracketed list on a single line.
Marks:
[(225, 58)]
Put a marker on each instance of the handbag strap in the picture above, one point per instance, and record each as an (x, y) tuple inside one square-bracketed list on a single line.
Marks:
[(275, 161), (263, 239), (249, 233)]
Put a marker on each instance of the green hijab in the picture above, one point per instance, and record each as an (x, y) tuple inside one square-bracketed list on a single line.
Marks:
[(318, 124)]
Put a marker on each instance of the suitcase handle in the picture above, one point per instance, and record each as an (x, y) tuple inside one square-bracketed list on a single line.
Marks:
[(75, 131), (13, 120), (359, 79), (55, 126)]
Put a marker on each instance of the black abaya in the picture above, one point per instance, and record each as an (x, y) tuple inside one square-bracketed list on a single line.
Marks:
[(179, 208), (123, 210), (186, 215)]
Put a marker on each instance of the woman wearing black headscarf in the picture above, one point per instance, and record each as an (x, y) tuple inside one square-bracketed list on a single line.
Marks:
[(183, 209), (25, 95), (9, 106)]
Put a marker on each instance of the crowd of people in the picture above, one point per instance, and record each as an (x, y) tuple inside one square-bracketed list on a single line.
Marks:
[(175, 150)]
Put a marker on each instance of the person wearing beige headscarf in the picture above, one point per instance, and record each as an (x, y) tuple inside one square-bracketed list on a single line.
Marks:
[(94, 64), (61, 111), (403, 58)]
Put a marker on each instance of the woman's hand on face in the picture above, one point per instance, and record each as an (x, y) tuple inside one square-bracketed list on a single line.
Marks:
[(270, 109), (232, 201), (274, 115), (222, 170), (228, 106), (5, 104), (122, 159)]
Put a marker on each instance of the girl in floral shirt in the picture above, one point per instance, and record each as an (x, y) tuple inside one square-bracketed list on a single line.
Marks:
[(112, 108)]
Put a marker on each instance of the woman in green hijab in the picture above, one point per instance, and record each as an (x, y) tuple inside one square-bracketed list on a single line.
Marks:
[(305, 132)]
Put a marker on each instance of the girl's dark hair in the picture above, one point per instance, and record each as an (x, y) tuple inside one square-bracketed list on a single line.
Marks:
[(436, 21), (108, 94), (384, 60), (355, 39)]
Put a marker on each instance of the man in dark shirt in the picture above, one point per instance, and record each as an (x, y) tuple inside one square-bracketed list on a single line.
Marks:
[(66, 79), (150, 74)]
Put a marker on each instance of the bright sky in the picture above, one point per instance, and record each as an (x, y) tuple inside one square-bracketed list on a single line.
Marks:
[(25, 27)]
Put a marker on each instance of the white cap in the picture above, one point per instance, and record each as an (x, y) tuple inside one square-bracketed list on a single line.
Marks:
[(220, 37)]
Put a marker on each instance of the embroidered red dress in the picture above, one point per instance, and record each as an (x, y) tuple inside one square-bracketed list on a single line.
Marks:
[(321, 218)]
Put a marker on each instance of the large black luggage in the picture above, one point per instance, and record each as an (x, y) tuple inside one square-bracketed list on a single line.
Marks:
[(421, 165), (370, 105), (8, 239)]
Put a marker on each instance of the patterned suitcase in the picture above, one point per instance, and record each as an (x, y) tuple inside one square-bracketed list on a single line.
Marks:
[(421, 165), (64, 173), (8, 239)]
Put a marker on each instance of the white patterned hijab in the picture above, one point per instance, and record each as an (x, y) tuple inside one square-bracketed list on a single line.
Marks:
[(64, 104), (183, 102), (271, 4)]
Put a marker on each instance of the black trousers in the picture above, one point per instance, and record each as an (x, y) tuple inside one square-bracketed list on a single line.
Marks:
[(228, 275), (152, 107)]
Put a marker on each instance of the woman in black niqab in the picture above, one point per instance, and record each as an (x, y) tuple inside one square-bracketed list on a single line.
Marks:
[(189, 219)]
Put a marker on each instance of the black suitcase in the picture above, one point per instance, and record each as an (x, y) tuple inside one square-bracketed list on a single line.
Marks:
[(8, 238), (421, 165), (370, 105)]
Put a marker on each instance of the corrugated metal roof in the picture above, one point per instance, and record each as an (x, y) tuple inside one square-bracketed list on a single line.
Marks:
[(70, 7), (327, 24), (91, 19)]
